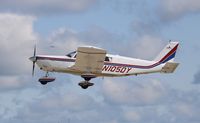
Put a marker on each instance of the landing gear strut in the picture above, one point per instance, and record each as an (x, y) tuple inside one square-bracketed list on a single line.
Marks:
[(85, 84)]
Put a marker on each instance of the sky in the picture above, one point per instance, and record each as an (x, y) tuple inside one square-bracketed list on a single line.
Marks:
[(125, 27)]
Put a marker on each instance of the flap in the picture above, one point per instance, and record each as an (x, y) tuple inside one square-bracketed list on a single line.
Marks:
[(90, 59), (169, 67)]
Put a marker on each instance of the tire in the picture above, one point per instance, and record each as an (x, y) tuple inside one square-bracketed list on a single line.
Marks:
[(84, 86), (43, 83)]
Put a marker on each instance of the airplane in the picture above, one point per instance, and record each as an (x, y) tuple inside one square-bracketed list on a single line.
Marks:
[(90, 62)]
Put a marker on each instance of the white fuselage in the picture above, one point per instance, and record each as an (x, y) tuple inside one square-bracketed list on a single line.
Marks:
[(114, 66), (90, 62)]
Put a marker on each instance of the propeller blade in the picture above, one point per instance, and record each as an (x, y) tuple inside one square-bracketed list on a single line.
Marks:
[(34, 51), (34, 61), (33, 70)]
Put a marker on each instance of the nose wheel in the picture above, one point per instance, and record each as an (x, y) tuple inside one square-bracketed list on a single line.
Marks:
[(46, 79)]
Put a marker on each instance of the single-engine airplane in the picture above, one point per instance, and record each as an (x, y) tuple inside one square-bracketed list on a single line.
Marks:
[(90, 62)]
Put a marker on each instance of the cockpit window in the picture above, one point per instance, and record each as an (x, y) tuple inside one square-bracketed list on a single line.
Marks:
[(72, 54)]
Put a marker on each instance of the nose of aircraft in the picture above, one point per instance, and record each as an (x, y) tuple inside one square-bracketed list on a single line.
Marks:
[(33, 58)]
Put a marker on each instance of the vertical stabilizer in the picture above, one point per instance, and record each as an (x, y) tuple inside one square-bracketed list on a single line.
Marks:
[(168, 53)]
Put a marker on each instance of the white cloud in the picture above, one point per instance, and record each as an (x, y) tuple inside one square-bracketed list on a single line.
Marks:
[(10, 82), (185, 109), (144, 102), (132, 116), (197, 78), (147, 47), (39, 7), (173, 9), (16, 44), (70, 104), (137, 94), (145, 26), (63, 41), (69, 101)]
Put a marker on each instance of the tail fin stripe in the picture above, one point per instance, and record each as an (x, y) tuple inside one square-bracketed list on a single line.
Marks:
[(170, 55)]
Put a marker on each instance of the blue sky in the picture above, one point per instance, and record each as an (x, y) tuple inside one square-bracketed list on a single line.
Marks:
[(125, 27)]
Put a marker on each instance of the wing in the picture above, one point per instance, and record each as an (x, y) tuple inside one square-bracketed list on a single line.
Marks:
[(90, 59)]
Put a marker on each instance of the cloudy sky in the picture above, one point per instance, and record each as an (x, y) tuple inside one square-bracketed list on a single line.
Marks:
[(125, 27)]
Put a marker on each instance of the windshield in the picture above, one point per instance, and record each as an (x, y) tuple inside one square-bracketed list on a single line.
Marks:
[(72, 54)]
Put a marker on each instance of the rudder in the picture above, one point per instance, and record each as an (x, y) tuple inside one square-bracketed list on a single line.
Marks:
[(168, 53)]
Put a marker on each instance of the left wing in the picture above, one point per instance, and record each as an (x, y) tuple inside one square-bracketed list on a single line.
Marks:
[(90, 59)]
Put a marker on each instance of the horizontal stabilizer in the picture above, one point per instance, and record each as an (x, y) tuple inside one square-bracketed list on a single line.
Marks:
[(169, 67)]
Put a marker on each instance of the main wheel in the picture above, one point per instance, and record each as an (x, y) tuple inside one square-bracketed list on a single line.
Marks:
[(83, 84)]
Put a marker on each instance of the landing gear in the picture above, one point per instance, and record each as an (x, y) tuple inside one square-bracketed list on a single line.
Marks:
[(46, 79), (42, 82), (85, 84)]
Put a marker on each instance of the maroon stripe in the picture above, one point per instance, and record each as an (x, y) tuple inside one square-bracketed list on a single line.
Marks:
[(55, 59), (170, 53)]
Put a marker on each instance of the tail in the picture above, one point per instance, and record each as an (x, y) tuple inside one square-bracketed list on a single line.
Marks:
[(168, 53)]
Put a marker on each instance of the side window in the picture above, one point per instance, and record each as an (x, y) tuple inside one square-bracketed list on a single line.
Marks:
[(69, 55), (72, 54), (108, 58)]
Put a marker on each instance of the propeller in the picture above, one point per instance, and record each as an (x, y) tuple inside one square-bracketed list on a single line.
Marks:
[(33, 59)]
